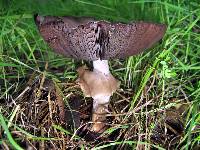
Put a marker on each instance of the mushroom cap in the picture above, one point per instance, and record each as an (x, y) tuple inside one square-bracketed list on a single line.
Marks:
[(87, 39)]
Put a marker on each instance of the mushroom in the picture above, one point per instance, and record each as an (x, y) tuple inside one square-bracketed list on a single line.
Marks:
[(97, 41)]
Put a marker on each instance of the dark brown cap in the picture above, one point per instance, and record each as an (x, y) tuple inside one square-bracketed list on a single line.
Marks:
[(87, 39)]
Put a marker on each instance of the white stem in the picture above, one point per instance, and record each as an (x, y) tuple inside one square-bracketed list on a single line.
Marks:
[(100, 100), (101, 66)]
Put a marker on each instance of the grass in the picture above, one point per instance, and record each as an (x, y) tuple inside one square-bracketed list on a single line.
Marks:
[(164, 77)]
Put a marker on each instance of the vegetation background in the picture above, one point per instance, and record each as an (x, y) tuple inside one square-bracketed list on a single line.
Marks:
[(172, 67)]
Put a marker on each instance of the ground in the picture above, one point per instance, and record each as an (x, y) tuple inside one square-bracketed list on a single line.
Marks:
[(156, 106)]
